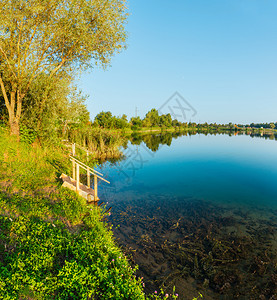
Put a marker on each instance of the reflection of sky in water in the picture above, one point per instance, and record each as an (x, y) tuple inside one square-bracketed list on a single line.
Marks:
[(236, 169)]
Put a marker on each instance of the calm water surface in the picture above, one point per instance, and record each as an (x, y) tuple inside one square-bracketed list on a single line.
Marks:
[(238, 170), (200, 211)]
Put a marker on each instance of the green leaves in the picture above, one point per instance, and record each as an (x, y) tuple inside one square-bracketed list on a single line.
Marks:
[(107, 120), (51, 37), (40, 35), (47, 260)]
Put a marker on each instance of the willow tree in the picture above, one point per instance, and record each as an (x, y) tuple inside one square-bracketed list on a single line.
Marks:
[(51, 36)]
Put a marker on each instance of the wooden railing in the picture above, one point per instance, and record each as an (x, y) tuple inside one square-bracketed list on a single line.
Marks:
[(76, 164), (73, 146)]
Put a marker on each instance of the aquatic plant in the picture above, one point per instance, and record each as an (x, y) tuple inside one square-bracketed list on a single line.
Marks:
[(187, 240)]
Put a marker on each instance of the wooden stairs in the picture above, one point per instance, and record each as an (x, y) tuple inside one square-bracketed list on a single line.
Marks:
[(84, 191), (74, 184)]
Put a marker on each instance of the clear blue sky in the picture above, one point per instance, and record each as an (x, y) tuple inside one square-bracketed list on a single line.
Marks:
[(220, 55)]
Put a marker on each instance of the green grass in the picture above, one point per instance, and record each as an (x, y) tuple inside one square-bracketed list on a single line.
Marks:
[(29, 167), (53, 245), (60, 251)]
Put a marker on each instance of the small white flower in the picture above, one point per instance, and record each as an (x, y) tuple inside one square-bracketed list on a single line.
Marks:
[(53, 225), (11, 219)]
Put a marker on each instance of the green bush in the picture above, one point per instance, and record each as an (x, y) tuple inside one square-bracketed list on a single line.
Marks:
[(43, 259), (27, 135)]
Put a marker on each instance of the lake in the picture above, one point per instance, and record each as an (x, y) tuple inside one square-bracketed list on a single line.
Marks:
[(198, 212)]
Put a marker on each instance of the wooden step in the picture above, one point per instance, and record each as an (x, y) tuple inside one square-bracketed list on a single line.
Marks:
[(84, 191)]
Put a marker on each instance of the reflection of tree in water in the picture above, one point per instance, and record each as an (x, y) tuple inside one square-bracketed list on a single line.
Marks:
[(135, 138), (166, 139), (270, 136), (153, 141)]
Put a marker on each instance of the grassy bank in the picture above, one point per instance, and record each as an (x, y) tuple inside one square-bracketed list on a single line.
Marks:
[(52, 244)]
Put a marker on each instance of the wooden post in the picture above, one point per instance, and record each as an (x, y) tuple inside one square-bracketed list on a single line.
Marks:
[(88, 177), (73, 162), (78, 177), (73, 149), (95, 188), (88, 173), (74, 170)]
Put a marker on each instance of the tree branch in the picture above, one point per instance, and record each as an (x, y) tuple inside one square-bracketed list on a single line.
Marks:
[(18, 49), (28, 46), (19, 104), (8, 62), (4, 94)]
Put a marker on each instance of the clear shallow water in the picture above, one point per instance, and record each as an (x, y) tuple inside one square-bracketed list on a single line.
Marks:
[(200, 213), (237, 170)]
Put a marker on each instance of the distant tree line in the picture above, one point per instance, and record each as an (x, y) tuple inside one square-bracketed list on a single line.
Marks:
[(153, 119), (263, 125)]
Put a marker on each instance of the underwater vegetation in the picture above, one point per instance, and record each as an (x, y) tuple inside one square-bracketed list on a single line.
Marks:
[(223, 252)]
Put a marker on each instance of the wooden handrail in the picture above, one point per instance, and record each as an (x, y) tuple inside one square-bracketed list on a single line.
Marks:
[(81, 163), (85, 167), (93, 173), (76, 164)]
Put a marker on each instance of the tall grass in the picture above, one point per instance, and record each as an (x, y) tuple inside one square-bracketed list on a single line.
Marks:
[(28, 167), (103, 143)]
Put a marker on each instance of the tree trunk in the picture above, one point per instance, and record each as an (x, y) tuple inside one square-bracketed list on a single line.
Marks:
[(14, 127), (14, 112), (14, 106)]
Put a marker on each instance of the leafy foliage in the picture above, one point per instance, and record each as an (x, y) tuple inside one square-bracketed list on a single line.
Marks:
[(52, 38), (107, 120), (152, 118), (136, 123), (53, 114), (48, 261), (27, 135)]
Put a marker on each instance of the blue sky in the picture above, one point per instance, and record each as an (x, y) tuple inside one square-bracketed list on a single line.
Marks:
[(220, 55)]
